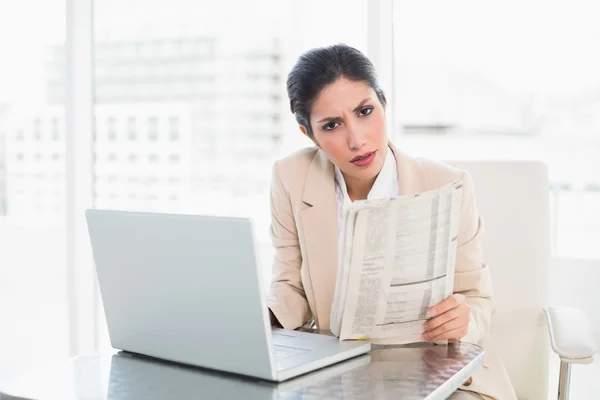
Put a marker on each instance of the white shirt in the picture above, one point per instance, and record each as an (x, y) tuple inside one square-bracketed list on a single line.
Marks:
[(386, 185)]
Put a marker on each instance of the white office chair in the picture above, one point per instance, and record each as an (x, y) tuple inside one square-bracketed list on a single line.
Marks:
[(513, 199)]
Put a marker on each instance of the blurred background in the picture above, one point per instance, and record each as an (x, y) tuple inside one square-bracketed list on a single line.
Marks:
[(180, 106)]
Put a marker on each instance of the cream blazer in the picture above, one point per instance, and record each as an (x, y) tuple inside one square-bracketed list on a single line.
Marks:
[(304, 234)]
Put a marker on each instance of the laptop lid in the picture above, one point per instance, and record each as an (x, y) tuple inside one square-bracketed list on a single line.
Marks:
[(184, 288)]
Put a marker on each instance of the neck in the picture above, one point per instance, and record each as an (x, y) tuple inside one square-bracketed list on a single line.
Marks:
[(358, 189)]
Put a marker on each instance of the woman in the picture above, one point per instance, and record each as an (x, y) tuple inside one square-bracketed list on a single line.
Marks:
[(339, 105)]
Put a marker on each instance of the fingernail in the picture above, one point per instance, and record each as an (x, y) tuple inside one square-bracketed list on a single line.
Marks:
[(426, 337), (432, 312)]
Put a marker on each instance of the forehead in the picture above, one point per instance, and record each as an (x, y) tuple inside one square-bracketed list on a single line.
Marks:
[(341, 95)]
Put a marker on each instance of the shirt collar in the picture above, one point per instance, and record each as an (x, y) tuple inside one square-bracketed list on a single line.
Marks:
[(384, 184)]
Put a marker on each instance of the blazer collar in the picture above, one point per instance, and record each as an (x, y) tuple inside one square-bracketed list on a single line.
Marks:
[(319, 186)]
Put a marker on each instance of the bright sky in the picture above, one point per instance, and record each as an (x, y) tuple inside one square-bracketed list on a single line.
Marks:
[(543, 45), (25, 27), (524, 45)]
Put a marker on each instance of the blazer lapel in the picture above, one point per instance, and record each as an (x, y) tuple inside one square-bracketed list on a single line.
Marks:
[(320, 231)]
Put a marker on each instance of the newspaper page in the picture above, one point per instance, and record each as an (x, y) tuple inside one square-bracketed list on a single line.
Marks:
[(397, 261)]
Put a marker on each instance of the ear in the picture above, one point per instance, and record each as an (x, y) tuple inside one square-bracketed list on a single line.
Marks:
[(305, 132)]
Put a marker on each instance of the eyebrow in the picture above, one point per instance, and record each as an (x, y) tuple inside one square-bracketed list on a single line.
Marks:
[(329, 119)]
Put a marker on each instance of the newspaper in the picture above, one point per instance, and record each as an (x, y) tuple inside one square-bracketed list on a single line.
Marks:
[(397, 261)]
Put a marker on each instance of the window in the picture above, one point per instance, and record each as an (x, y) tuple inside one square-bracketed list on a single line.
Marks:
[(173, 129), (131, 129), (133, 158), (37, 129), (500, 81), (153, 129), (174, 158), (153, 158), (55, 129), (112, 128), (112, 157), (34, 327)]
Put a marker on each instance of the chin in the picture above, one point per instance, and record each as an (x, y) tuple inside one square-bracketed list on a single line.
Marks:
[(372, 170)]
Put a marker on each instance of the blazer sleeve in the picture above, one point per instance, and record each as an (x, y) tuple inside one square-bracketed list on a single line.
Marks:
[(286, 299), (472, 276)]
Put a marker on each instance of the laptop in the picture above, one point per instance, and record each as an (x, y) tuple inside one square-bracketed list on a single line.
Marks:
[(188, 289)]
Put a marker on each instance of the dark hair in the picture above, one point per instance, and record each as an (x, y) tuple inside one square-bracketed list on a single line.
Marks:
[(322, 66)]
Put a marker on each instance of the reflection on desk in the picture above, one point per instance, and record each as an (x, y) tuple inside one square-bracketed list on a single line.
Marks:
[(409, 372)]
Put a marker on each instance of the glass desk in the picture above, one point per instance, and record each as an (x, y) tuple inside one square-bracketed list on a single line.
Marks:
[(419, 371)]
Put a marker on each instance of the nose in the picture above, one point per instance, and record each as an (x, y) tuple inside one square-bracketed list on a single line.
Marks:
[(356, 138)]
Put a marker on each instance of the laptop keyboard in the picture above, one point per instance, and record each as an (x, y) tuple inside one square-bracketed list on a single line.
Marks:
[(283, 352)]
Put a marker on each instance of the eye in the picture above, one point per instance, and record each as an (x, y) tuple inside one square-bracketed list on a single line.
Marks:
[(330, 126), (366, 111)]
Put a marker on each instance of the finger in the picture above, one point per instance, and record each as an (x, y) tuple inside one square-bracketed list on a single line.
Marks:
[(441, 319), (456, 334), (451, 302), (440, 330)]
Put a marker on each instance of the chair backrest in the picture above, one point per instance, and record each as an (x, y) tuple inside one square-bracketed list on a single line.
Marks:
[(513, 199)]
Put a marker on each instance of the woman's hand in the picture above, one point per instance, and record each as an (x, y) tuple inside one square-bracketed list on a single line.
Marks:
[(450, 320)]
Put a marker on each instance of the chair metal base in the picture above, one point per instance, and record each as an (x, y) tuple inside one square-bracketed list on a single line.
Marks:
[(564, 380)]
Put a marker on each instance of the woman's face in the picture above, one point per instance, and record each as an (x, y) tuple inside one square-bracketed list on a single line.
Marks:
[(348, 123)]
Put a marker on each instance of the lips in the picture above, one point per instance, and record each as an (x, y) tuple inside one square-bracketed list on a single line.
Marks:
[(364, 160), (362, 156)]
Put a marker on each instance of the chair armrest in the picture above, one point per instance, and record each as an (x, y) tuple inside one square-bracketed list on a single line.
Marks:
[(571, 334)]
